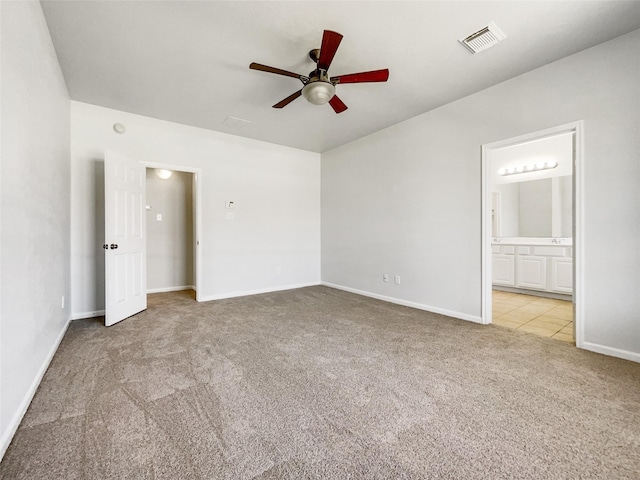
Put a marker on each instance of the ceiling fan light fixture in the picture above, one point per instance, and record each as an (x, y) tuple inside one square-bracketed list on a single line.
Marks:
[(318, 93)]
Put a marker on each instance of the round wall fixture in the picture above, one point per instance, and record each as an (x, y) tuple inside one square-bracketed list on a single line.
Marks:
[(164, 174), (119, 128)]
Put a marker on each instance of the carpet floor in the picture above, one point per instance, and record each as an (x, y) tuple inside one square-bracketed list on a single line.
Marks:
[(319, 383)]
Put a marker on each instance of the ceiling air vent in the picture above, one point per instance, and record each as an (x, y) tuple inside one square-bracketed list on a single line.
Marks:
[(483, 39)]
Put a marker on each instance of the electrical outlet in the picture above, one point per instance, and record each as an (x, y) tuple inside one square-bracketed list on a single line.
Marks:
[(385, 277), (397, 279)]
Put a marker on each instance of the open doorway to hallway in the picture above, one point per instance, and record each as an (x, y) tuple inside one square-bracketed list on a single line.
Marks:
[(171, 245)]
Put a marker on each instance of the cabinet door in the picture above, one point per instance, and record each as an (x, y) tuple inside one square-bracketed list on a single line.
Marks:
[(562, 275), (532, 272), (503, 269)]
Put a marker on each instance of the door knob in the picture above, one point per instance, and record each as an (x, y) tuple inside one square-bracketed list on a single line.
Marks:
[(114, 246)]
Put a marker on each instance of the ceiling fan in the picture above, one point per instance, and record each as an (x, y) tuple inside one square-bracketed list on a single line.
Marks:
[(319, 88)]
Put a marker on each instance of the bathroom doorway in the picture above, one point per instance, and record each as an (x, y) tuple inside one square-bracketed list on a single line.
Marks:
[(532, 233)]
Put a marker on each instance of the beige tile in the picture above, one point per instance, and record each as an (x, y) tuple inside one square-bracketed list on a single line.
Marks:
[(506, 323), (555, 321), (516, 302), (565, 306), (564, 337), (560, 313), (535, 309), (568, 329), (543, 332), (500, 303), (545, 323), (520, 317), (551, 302), (551, 322), (497, 311)]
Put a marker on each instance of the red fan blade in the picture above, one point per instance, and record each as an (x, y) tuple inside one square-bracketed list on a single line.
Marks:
[(374, 76), (288, 100), (278, 71), (330, 42), (337, 104)]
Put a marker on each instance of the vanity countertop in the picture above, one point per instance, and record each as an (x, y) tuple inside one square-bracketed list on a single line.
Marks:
[(564, 242)]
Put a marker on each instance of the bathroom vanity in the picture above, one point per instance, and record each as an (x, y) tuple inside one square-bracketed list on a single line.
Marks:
[(530, 265)]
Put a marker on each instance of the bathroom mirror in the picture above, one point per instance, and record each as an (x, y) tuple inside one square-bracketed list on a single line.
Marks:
[(534, 208)]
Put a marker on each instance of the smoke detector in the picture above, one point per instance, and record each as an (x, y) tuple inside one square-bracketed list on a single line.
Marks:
[(484, 38)]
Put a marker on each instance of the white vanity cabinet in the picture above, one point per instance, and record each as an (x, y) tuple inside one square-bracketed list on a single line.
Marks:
[(562, 274), (546, 268), (504, 267)]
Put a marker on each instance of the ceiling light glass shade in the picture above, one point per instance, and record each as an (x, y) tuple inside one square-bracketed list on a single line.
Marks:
[(318, 93), (164, 174)]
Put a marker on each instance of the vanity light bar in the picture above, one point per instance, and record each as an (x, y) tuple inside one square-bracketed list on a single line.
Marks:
[(535, 167)]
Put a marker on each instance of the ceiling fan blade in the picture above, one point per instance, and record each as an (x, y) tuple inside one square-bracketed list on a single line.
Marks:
[(278, 71), (362, 77), (337, 104), (288, 100), (330, 42)]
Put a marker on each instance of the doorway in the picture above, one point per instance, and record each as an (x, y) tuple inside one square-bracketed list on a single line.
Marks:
[(173, 228), (532, 232)]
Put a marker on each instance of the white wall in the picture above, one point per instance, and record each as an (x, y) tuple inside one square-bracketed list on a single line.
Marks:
[(273, 242), (170, 239), (407, 200), (34, 240)]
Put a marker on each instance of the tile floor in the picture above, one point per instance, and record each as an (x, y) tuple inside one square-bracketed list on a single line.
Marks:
[(546, 317)]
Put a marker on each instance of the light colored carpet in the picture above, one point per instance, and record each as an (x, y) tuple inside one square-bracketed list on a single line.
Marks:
[(319, 383)]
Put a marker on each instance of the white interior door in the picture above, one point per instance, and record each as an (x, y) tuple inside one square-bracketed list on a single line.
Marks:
[(125, 238)]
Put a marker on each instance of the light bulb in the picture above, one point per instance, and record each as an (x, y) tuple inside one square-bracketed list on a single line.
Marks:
[(164, 174)]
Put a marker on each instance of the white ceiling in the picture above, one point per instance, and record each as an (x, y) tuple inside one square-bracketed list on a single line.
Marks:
[(188, 62)]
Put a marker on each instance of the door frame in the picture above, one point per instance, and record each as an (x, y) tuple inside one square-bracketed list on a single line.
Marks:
[(577, 128), (197, 216)]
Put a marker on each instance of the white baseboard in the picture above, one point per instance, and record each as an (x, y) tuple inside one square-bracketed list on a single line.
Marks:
[(81, 315), (171, 289), (245, 293), (406, 303), (14, 423), (611, 351)]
